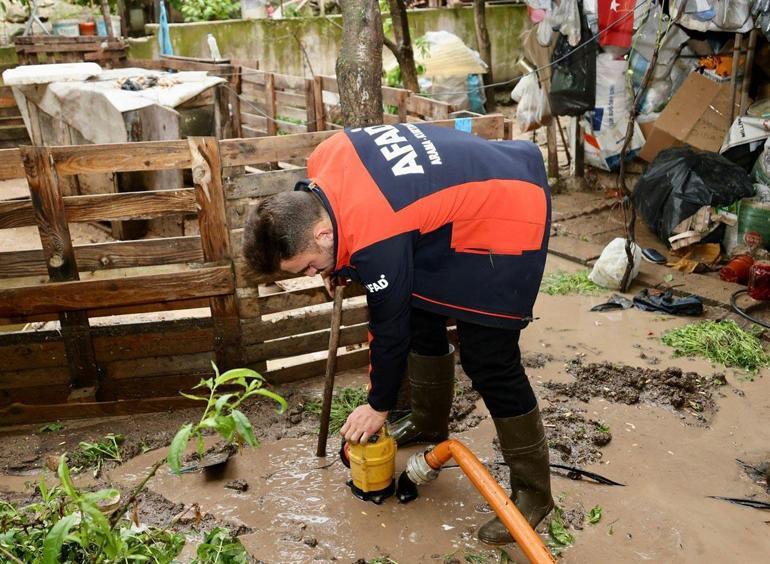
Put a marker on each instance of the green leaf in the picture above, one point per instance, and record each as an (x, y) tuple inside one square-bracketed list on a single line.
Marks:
[(65, 478), (225, 426), (55, 539), (595, 515), (244, 428), (237, 373), (283, 406), (43, 487), (177, 447), (668, 277), (221, 401)]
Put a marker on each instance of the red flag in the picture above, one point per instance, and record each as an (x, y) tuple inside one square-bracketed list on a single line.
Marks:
[(616, 23)]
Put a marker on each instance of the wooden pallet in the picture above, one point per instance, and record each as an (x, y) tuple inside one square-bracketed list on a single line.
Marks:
[(34, 49)]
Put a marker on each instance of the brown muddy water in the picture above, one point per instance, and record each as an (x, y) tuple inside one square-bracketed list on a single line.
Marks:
[(670, 455)]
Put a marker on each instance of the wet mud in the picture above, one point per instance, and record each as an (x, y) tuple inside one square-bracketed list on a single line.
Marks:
[(689, 393), (573, 438)]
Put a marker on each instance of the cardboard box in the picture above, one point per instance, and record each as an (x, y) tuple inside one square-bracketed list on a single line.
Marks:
[(697, 115)]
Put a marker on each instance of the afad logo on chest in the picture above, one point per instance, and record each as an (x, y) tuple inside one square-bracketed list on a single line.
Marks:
[(398, 152), (378, 285)]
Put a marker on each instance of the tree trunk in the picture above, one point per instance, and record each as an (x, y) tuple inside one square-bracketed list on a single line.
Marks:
[(485, 49), (402, 48), (359, 64)]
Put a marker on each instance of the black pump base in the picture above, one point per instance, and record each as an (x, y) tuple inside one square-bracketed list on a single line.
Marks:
[(375, 497), (406, 490)]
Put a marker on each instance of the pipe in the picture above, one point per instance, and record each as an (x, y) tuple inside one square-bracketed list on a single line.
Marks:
[(526, 537)]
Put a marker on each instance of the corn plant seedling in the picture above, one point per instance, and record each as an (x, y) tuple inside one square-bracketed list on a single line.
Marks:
[(93, 455), (221, 413), (343, 404), (723, 342), (562, 283)]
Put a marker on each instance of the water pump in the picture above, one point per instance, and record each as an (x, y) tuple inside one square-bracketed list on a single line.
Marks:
[(372, 467)]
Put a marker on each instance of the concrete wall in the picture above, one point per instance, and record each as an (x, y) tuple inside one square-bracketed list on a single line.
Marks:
[(276, 43)]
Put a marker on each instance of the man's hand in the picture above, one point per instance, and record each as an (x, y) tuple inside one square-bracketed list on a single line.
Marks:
[(363, 423), (331, 282)]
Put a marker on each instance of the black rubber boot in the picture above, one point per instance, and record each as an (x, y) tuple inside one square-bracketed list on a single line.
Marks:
[(525, 451), (432, 382)]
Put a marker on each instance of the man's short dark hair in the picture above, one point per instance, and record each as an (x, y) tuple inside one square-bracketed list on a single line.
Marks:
[(279, 228)]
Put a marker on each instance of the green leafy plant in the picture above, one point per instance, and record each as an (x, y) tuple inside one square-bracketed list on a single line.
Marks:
[(220, 547), (603, 428), (69, 525), (205, 10), (221, 414), (343, 404), (595, 514), (560, 537), (723, 342), (93, 455), (562, 283), (50, 427)]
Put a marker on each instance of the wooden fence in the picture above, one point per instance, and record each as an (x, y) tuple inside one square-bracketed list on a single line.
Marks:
[(97, 362), (12, 130)]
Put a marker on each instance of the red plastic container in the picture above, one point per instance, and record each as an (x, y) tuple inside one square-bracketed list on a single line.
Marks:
[(759, 281), (87, 28), (737, 270)]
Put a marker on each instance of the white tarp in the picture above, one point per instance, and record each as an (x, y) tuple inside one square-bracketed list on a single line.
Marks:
[(95, 107), (446, 55)]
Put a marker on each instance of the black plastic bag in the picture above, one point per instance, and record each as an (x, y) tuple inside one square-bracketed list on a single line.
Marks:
[(682, 180), (667, 303), (573, 83)]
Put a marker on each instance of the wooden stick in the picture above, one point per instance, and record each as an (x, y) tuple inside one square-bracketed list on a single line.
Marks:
[(331, 367), (734, 74), (746, 81)]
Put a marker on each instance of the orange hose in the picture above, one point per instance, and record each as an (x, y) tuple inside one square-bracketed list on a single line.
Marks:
[(529, 541)]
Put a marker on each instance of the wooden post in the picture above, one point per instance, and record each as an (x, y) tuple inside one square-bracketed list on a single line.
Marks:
[(578, 149), (553, 154), (318, 100), (270, 104), (215, 240), (734, 74), (310, 121), (60, 261), (747, 71), (107, 19)]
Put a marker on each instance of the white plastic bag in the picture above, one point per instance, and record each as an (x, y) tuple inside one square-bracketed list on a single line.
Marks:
[(545, 30), (567, 17), (609, 269), (532, 109)]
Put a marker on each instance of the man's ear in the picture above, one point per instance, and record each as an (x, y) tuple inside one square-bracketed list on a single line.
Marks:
[(323, 233)]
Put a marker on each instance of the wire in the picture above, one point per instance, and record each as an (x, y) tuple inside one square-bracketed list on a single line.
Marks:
[(742, 313)]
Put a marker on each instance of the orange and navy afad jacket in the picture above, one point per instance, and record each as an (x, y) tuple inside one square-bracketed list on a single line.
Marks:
[(436, 219)]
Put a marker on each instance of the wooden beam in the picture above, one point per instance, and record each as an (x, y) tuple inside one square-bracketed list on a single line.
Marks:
[(318, 103), (303, 344), (107, 207), (215, 239), (104, 256), (10, 164), (258, 330), (122, 157), (93, 294), (270, 102), (62, 267)]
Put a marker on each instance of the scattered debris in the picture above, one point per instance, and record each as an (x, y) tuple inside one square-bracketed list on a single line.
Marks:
[(688, 391), (237, 485), (574, 438)]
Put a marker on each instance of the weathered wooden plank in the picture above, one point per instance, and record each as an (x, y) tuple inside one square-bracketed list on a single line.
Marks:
[(253, 94), (428, 107), (104, 256), (150, 368), (290, 99), (250, 305), (250, 132), (237, 152), (106, 207), (254, 120), (40, 395), (121, 157), (10, 164), (93, 294), (261, 184), (60, 260), (289, 127), (289, 82), (329, 83), (257, 330), (309, 94), (19, 413), (290, 114), (303, 344), (215, 239), (346, 361), (33, 354), (193, 303), (34, 377), (252, 76)]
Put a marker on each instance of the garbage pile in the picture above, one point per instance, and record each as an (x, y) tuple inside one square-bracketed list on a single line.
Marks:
[(702, 121)]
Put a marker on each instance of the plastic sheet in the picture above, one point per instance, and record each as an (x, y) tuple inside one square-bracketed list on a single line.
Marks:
[(611, 265), (573, 84), (680, 181)]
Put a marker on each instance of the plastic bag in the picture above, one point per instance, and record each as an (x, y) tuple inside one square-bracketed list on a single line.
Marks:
[(573, 84), (680, 181), (567, 17), (545, 30), (611, 265), (532, 110)]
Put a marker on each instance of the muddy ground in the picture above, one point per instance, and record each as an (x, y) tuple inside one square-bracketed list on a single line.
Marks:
[(605, 409)]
